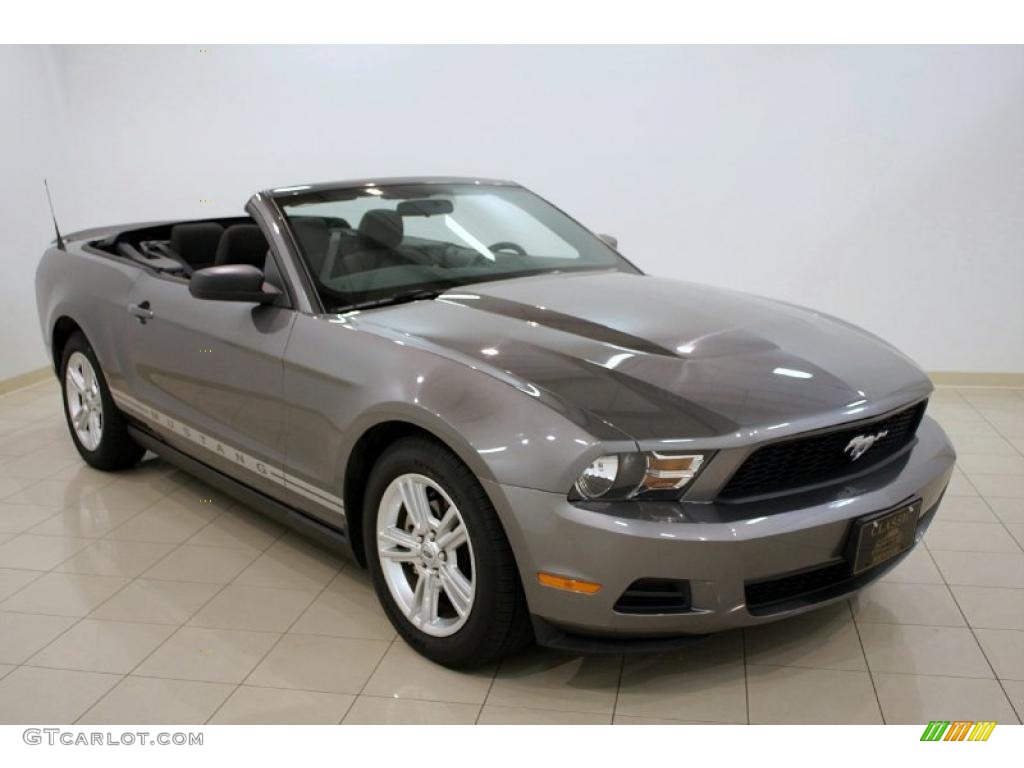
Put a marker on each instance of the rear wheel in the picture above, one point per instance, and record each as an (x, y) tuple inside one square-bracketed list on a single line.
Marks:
[(439, 559), (97, 428)]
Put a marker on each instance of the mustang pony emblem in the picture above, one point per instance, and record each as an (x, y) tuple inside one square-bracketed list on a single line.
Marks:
[(859, 445)]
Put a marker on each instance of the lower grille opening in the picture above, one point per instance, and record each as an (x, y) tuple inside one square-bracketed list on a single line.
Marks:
[(651, 596), (761, 596), (820, 583)]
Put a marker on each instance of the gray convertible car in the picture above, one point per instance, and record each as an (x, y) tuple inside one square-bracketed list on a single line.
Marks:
[(518, 432)]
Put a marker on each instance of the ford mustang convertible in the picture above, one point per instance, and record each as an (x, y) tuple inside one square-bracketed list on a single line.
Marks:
[(519, 434)]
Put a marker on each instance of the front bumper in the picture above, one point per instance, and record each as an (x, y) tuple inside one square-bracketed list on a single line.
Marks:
[(718, 548)]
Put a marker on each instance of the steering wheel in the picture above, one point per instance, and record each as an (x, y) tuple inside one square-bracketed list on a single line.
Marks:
[(508, 245)]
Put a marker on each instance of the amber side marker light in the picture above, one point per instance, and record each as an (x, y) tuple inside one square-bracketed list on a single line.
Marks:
[(567, 584)]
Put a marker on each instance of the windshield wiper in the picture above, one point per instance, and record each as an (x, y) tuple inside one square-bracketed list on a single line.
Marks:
[(402, 297)]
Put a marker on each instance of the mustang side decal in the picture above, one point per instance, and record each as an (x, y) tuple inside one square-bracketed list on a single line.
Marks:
[(258, 466)]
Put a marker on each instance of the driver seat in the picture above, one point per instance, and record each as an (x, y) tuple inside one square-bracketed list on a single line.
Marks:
[(379, 234)]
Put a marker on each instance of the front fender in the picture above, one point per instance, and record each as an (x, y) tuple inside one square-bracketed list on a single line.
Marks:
[(341, 381)]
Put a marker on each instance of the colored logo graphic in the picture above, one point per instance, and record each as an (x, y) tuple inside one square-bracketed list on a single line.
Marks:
[(958, 730)]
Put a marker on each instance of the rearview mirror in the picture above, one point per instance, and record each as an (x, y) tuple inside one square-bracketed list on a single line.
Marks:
[(425, 207), (232, 282), (609, 240)]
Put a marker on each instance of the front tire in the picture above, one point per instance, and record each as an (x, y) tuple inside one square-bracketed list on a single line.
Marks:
[(97, 427), (439, 559)]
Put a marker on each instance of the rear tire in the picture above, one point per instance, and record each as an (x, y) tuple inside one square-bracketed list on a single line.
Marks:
[(97, 427), (472, 610)]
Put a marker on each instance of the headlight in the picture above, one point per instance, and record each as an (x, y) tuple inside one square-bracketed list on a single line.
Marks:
[(638, 475), (599, 477)]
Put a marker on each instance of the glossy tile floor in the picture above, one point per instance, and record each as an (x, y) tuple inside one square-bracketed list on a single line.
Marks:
[(146, 597)]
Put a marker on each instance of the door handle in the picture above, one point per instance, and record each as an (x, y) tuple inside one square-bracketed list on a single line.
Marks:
[(141, 311)]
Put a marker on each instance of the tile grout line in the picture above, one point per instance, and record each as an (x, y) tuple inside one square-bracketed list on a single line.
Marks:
[(174, 549), (64, 508), (38, 576), (160, 645), (971, 628), (867, 664), (78, 619), (984, 653), (144, 577), (61, 440), (490, 687), (956, 601), (281, 635), (983, 497), (149, 676), (131, 581), (370, 677), (618, 687)]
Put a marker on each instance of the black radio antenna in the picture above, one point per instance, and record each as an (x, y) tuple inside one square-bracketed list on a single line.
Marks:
[(56, 229)]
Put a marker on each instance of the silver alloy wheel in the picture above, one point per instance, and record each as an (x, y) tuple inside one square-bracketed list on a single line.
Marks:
[(85, 405), (426, 555)]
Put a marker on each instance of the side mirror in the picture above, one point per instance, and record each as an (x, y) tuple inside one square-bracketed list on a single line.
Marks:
[(232, 282), (609, 240)]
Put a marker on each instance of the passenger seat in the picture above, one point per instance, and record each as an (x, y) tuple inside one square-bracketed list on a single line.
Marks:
[(242, 244), (196, 243)]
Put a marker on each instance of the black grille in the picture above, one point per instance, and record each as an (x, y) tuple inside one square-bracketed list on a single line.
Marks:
[(822, 457), (766, 593), (655, 596)]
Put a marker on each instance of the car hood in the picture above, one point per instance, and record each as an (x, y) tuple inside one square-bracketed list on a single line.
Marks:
[(659, 359)]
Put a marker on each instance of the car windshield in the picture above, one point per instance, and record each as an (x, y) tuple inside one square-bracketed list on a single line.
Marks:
[(378, 244)]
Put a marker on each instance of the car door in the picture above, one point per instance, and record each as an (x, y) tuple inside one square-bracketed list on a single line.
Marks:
[(206, 376)]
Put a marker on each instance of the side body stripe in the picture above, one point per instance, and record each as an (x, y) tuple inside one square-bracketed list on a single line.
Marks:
[(238, 457)]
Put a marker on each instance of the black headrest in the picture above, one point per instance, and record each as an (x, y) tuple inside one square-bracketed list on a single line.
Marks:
[(196, 243), (242, 244), (382, 226)]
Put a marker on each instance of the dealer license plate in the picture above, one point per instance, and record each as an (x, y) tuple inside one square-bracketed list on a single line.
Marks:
[(881, 536)]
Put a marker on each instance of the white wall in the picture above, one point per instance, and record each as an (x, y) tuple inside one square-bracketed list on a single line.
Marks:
[(884, 185), (30, 149)]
